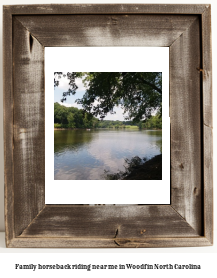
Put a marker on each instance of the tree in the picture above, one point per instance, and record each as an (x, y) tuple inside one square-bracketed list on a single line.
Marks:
[(138, 93), (71, 120), (72, 117), (153, 122), (60, 114)]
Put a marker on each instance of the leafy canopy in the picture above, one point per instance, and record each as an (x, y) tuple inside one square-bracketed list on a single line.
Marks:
[(72, 117), (138, 93)]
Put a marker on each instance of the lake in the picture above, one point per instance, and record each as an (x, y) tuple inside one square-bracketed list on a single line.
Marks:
[(86, 154)]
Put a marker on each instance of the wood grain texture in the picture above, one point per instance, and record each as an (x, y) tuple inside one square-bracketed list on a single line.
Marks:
[(29, 140), (207, 66), (185, 113), (208, 122), (108, 243), (109, 222), (29, 223), (107, 30), (208, 183), (106, 9), (8, 125)]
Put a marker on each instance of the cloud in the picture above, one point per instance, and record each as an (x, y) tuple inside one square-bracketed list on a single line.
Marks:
[(71, 105), (118, 116), (64, 84), (65, 104), (80, 85)]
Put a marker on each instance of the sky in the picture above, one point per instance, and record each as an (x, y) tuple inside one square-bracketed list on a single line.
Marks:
[(70, 101)]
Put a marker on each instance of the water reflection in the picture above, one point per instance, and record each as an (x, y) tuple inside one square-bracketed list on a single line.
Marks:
[(84, 155), (70, 139)]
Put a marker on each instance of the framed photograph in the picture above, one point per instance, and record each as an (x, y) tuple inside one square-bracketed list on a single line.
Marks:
[(65, 182), (105, 155)]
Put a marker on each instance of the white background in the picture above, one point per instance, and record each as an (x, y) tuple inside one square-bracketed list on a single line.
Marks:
[(206, 256), (110, 59)]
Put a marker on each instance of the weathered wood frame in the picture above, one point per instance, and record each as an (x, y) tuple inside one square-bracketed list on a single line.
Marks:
[(186, 29)]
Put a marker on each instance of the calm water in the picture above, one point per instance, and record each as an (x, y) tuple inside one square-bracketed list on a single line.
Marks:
[(84, 155)]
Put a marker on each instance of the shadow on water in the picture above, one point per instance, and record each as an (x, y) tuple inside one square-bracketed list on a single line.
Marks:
[(159, 145), (138, 168), (156, 134)]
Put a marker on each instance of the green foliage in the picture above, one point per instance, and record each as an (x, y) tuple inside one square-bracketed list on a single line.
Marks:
[(61, 126), (117, 124), (138, 93), (153, 122), (60, 114), (71, 117), (57, 125), (71, 120)]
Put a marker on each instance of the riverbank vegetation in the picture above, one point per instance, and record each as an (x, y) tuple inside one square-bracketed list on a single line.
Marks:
[(138, 169), (71, 117)]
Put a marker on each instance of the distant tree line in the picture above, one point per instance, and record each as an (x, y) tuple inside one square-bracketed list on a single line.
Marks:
[(71, 117)]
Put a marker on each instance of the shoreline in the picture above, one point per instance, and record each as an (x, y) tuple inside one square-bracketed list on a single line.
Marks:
[(69, 128), (135, 170), (149, 170)]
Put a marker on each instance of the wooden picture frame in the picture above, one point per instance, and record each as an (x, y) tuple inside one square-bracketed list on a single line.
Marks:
[(186, 30)]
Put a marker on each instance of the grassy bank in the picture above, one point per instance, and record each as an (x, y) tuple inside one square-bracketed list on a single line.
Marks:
[(59, 127)]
